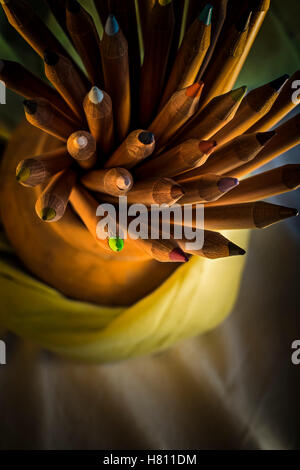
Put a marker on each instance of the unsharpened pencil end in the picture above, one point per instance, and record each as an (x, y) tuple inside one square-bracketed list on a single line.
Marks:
[(22, 173), (206, 14), (243, 22), (48, 214), (235, 250), (146, 137), (50, 57), (279, 82), (96, 95), (179, 256), (227, 183), (264, 137), (239, 93), (111, 25), (73, 6), (30, 106)]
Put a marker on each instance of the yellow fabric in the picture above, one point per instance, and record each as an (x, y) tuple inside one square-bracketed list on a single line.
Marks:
[(197, 297)]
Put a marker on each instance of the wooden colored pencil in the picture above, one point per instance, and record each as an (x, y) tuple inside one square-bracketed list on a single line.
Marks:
[(144, 7), (205, 188), (259, 10), (250, 215), (224, 61), (97, 106), (180, 107), (190, 55), (282, 106), (40, 113), (85, 38), (63, 75), (158, 34), (22, 81), (269, 183), (85, 205), (38, 169), (215, 246), (179, 30), (191, 153), (114, 181), (287, 136), (114, 54), (235, 153), (52, 203), (254, 106), (28, 24), (155, 191), (216, 114), (125, 12), (82, 146), (136, 147), (219, 15)]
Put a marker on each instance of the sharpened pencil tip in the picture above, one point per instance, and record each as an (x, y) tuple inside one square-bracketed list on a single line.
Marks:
[(22, 173), (206, 14), (124, 181), (30, 106), (111, 25), (48, 214), (146, 137), (286, 212), (243, 22), (227, 183), (239, 93), (96, 95), (50, 57), (279, 82), (116, 244), (264, 137), (80, 141), (194, 90), (178, 255), (235, 250), (73, 6)]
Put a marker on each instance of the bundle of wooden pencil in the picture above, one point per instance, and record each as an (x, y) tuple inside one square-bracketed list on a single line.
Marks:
[(155, 116)]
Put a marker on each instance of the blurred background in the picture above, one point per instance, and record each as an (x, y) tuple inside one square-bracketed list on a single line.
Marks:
[(234, 387)]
